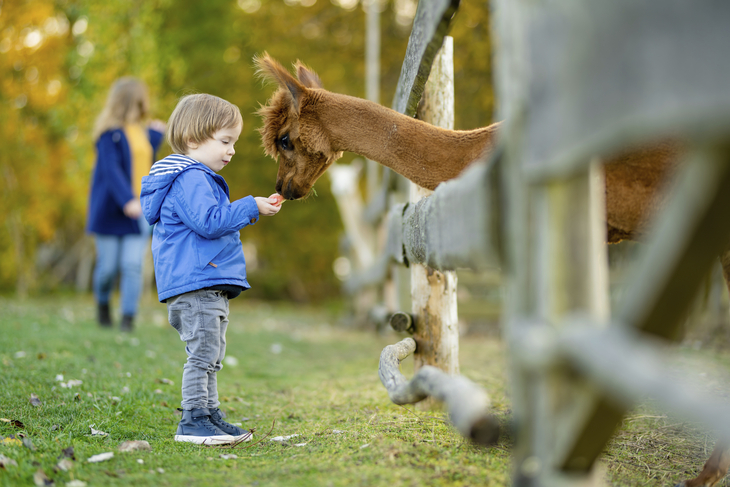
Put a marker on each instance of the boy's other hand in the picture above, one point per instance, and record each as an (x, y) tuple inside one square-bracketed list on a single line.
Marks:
[(132, 209), (265, 206)]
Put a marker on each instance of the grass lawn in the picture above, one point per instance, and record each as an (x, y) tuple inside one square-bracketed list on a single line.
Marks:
[(298, 368)]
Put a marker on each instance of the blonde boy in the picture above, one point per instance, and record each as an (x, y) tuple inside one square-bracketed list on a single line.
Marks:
[(199, 262)]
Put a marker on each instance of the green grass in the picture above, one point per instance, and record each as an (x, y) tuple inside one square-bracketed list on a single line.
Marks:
[(322, 386)]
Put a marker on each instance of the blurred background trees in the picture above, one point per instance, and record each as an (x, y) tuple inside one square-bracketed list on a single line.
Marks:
[(59, 57)]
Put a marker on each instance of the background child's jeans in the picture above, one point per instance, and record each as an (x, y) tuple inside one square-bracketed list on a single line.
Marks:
[(125, 254), (201, 319)]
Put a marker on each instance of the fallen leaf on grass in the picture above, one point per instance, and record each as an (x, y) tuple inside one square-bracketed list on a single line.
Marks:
[(118, 473), (76, 483), (40, 478), (65, 465), (68, 453), (10, 441), (14, 422), (229, 456), (101, 457), (7, 462), (283, 438), (301, 444), (34, 401), (95, 432), (135, 445), (28, 444), (71, 383)]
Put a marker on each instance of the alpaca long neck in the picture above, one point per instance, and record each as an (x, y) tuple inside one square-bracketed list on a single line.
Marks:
[(423, 153)]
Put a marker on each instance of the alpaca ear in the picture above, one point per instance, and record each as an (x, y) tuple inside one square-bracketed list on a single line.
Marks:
[(268, 68), (307, 77)]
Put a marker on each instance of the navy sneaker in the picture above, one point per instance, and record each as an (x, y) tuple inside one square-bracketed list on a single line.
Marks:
[(239, 434), (196, 427)]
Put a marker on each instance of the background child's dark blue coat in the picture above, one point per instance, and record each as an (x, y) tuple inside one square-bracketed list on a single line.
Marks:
[(111, 186)]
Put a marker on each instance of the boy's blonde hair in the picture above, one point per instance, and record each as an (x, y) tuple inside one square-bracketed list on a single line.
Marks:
[(197, 117), (127, 102)]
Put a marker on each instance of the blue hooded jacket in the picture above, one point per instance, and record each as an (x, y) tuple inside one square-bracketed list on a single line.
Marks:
[(195, 242)]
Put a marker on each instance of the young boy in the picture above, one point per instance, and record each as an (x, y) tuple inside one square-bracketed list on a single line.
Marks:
[(199, 263)]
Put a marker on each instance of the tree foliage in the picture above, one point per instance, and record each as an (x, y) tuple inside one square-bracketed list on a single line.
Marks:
[(59, 57)]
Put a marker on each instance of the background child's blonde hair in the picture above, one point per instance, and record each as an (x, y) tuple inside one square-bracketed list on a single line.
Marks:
[(127, 102), (197, 117)]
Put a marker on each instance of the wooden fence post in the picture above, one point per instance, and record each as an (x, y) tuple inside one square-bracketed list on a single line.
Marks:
[(433, 293)]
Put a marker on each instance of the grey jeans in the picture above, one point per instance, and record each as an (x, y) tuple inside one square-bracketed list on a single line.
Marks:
[(201, 319)]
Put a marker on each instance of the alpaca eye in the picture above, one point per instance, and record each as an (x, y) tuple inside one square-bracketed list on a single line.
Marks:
[(285, 143)]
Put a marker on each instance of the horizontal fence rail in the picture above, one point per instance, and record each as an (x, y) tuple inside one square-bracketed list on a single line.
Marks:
[(458, 226)]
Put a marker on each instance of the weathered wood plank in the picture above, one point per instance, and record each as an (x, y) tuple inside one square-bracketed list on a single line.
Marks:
[(572, 84), (428, 232), (459, 225), (628, 368), (663, 73), (691, 232), (430, 26)]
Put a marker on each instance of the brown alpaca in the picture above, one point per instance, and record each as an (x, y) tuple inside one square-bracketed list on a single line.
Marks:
[(307, 128)]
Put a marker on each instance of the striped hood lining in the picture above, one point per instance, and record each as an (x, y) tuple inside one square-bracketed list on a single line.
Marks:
[(174, 163)]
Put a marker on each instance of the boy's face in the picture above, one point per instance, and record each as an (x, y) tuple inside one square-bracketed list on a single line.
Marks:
[(217, 151)]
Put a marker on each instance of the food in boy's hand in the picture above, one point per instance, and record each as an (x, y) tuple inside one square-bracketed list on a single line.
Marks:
[(277, 199)]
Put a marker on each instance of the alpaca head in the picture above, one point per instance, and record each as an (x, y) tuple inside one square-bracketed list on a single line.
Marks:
[(291, 133)]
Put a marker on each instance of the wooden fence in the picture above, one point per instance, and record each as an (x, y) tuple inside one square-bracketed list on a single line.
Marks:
[(577, 79)]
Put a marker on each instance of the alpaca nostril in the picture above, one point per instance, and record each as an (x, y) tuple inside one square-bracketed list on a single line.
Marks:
[(288, 191)]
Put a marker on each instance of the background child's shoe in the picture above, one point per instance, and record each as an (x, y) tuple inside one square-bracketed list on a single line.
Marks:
[(103, 315), (239, 434), (127, 323), (196, 427)]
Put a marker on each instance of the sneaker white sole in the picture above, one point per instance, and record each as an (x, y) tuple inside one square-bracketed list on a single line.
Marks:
[(206, 440)]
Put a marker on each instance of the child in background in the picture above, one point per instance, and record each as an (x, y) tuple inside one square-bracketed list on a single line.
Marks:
[(199, 262), (125, 148)]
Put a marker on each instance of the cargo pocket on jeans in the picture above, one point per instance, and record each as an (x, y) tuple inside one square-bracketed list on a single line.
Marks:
[(178, 314)]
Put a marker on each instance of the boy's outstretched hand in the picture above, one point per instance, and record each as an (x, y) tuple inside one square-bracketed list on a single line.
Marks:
[(269, 206)]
